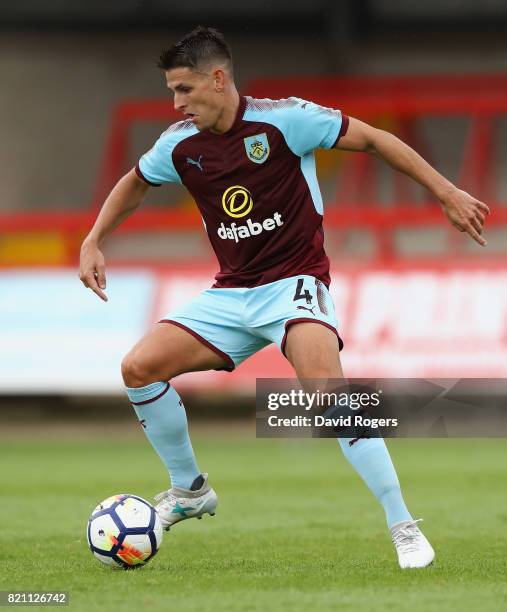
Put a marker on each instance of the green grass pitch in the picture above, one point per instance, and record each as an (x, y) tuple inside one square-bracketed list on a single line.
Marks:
[(295, 527)]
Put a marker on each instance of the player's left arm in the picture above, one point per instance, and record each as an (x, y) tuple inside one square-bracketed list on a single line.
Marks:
[(465, 212)]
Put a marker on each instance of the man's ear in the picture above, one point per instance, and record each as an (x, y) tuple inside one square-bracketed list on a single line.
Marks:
[(219, 79)]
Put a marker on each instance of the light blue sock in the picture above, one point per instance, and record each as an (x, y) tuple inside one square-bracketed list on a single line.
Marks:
[(371, 460), (162, 415)]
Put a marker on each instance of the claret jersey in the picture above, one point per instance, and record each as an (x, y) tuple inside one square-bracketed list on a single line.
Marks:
[(255, 186)]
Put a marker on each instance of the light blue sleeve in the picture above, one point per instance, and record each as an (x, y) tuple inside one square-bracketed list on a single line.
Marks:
[(309, 126), (157, 166), (305, 125)]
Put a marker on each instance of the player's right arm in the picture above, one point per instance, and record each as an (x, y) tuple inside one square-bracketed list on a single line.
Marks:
[(123, 200)]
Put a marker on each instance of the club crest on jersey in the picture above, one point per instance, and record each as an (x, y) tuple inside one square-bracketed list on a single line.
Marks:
[(257, 148)]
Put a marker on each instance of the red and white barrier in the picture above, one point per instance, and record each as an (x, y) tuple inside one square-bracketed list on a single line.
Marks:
[(57, 337)]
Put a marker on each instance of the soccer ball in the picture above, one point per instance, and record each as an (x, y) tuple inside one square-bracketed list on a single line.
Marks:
[(124, 531)]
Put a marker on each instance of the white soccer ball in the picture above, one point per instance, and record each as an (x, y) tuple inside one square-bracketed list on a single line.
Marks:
[(124, 531)]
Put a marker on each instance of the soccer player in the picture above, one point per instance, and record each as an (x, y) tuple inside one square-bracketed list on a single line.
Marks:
[(249, 164)]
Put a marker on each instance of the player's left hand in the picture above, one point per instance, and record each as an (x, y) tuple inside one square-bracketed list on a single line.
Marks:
[(466, 213)]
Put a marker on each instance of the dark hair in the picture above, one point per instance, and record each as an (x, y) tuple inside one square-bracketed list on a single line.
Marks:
[(200, 46)]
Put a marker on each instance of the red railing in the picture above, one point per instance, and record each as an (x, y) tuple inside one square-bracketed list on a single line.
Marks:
[(400, 100)]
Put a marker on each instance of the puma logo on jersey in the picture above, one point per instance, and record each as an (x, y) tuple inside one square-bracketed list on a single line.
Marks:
[(197, 163), (305, 308)]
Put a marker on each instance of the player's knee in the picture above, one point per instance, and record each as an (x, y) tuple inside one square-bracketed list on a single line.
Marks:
[(135, 372)]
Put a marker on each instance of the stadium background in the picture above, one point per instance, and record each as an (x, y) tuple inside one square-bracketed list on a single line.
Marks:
[(81, 99)]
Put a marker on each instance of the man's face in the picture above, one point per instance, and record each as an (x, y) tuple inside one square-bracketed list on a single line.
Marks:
[(196, 95)]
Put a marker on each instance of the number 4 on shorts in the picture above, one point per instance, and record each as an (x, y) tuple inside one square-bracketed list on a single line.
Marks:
[(300, 294)]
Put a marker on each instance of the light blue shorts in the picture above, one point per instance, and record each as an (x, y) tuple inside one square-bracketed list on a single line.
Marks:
[(236, 323)]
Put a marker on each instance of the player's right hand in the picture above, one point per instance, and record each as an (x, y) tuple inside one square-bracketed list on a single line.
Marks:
[(92, 269)]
